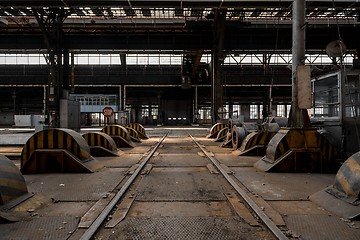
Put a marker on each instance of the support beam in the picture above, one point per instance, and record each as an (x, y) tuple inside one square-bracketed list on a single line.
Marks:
[(298, 117), (216, 60), (51, 27), (123, 61)]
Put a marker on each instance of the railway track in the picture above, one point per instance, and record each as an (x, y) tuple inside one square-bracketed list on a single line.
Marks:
[(167, 147)]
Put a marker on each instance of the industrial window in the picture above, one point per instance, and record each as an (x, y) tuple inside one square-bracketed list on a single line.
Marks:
[(145, 110), (225, 112), (352, 96), (254, 112), (154, 111), (280, 111), (205, 113), (326, 96), (236, 111), (288, 108)]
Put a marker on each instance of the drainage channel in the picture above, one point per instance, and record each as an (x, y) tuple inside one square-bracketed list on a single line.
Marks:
[(107, 210), (264, 218)]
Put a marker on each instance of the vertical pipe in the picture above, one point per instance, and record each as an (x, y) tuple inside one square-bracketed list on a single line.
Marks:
[(298, 58), (124, 97), (196, 110), (120, 99), (44, 101), (72, 73)]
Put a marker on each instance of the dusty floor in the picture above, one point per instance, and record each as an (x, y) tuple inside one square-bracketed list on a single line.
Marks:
[(178, 198)]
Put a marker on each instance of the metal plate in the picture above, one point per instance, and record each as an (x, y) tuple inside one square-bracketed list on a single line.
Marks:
[(125, 160), (217, 149), (181, 209), (40, 228), (232, 160), (138, 149), (186, 228), (173, 148), (332, 227), (297, 207), (192, 160), (181, 184), (75, 187), (282, 186)]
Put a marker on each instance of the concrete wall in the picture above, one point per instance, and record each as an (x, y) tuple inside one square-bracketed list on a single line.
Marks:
[(6, 119)]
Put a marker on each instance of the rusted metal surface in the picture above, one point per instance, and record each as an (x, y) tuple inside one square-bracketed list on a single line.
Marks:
[(221, 134), (347, 180), (299, 150), (91, 215), (255, 143), (100, 144), (309, 224), (181, 184), (120, 135), (75, 187), (238, 134), (185, 159), (103, 215), (57, 150), (139, 129), (282, 186), (224, 228), (241, 209), (134, 135), (121, 211), (264, 218), (178, 196), (59, 227), (215, 129), (12, 184)]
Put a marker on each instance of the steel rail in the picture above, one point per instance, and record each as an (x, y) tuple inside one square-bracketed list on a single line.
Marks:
[(104, 214), (264, 218)]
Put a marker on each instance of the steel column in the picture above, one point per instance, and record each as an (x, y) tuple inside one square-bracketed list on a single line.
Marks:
[(196, 107), (51, 27), (216, 59), (298, 117)]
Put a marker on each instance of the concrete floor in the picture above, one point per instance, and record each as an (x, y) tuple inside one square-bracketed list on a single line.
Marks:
[(178, 198)]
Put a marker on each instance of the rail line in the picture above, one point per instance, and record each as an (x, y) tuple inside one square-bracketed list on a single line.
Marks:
[(264, 218), (95, 226), (101, 218)]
